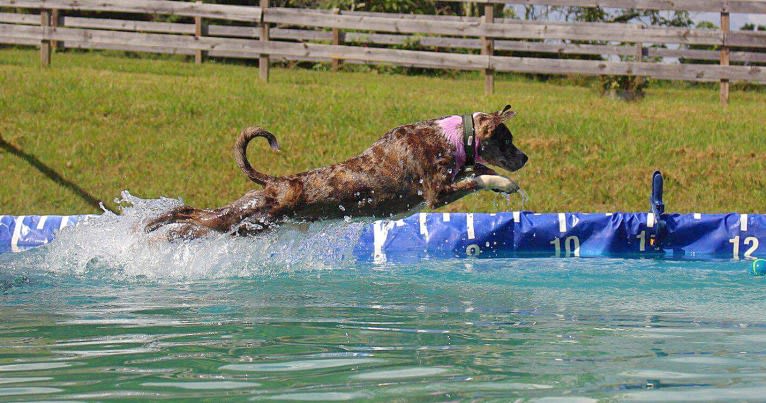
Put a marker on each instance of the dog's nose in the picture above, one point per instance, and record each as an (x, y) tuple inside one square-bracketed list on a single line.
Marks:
[(524, 159)]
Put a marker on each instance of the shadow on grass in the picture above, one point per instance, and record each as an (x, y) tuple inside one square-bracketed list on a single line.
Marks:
[(53, 175)]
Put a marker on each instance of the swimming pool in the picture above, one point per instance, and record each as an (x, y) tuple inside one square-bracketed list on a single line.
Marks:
[(103, 313), (503, 328)]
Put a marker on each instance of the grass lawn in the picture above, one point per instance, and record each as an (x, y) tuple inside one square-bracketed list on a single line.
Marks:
[(164, 127)]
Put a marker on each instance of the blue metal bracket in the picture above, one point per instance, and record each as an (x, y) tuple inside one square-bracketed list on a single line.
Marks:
[(658, 209), (657, 206)]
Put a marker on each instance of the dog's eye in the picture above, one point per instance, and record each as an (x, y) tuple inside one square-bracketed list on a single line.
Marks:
[(507, 141)]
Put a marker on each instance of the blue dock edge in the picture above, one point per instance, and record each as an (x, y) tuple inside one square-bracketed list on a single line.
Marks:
[(19, 233), (511, 234), (526, 234)]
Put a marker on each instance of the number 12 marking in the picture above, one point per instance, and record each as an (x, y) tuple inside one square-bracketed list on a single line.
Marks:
[(749, 241)]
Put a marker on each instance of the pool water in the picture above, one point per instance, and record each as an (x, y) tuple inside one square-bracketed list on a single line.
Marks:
[(101, 315)]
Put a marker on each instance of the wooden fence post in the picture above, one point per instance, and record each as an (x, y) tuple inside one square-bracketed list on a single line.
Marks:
[(488, 48), (263, 62), (336, 40), (638, 58), (200, 30), (725, 28), (45, 45), (57, 20)]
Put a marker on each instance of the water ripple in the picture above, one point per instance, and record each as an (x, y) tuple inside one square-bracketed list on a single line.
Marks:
[(300, 365), (36, 366), (417, 372), (212, 385)]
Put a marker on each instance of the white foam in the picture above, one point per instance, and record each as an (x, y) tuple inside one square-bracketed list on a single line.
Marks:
[(113, 245)]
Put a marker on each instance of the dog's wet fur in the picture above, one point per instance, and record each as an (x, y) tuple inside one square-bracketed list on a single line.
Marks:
[(409, 166)]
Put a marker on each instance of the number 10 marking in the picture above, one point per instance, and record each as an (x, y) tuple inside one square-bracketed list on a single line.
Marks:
[(571, 246)]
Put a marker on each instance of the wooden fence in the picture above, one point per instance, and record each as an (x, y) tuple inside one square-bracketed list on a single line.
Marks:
[(363, 37)]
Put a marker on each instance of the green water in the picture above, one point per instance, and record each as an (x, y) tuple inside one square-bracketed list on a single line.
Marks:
[(547, 329)]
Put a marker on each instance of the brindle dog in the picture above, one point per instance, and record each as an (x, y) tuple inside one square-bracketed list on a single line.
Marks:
[(409, 165)]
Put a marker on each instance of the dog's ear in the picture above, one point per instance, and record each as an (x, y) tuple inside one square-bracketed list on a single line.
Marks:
[(506, 113)]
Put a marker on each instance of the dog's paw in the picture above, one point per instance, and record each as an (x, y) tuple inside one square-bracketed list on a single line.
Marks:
[(154, 225), (497, 183)]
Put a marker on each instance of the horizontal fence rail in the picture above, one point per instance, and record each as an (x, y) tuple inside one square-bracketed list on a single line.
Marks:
[(515, 29), (731, 6), (244, 48), (379, 39), (506, 45), (217, 11)]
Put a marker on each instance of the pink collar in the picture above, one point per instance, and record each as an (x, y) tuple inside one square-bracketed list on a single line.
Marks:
[(452, 126)]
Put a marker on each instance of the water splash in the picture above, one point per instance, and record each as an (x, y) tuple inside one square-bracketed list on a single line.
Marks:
[(524, 197), (116, 246), (509, 204)]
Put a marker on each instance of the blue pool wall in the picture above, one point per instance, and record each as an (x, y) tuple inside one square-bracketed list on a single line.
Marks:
[(510, 234), (19, 233), (520, 234)]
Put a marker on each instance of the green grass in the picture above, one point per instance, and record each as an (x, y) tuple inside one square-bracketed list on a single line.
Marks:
[(165, 127)]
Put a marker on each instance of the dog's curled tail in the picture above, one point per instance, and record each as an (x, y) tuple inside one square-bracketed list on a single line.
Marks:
[(240, 153)]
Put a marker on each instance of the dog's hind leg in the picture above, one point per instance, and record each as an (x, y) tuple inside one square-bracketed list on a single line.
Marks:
[(183, 214), (190, 231), (187, 231), (220, 220), (252, 227), (223, 219)]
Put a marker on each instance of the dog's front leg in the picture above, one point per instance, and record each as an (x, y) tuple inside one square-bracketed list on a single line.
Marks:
[(497, 183), (467, 186), (480, 169)]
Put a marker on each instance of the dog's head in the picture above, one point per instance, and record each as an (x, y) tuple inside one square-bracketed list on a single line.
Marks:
[(496, 141)]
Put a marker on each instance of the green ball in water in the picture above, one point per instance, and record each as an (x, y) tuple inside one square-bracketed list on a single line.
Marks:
[(759, 267)]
